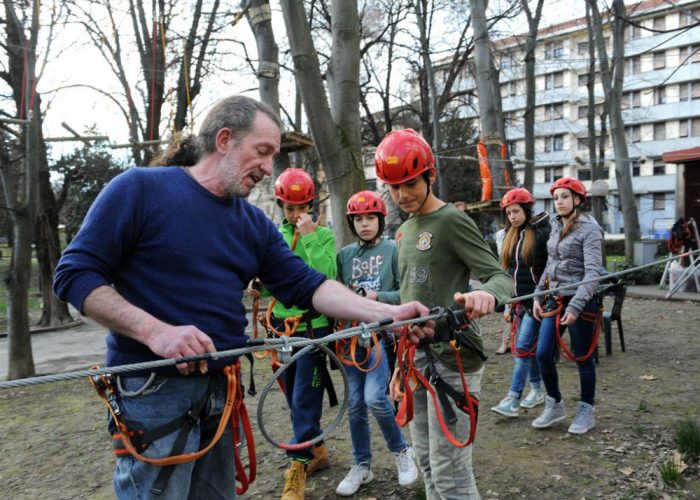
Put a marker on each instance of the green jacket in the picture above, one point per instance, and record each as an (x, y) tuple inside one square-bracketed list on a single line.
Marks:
[(318, 251), (438, 252)]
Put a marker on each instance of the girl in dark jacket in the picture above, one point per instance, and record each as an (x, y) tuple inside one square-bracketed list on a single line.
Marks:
[(524, 255)]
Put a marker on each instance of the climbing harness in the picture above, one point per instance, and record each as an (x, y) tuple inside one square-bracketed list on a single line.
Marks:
[(555, 306), (440, 391), (133, 441), (517, 312), (367, 340)]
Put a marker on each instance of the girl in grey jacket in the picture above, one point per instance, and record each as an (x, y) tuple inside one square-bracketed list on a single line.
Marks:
[(575, 249)]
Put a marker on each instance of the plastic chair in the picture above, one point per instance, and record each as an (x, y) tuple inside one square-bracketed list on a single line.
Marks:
[(618, 292)]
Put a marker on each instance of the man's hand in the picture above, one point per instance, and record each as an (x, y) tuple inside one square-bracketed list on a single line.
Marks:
[(180, 341), (306, 225), (415, 310), (477, 303)]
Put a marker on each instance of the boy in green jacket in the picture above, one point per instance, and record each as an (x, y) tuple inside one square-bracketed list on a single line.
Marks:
[(439, 247), (304, 381)]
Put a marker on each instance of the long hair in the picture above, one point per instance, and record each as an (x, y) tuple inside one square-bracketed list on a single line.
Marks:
[(569, 225), (511, 240), (183, 151)]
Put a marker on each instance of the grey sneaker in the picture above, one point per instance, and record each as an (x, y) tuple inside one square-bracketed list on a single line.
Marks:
[(553, 412), (508, 407), (358, 475), (534, 398), (584, 420), (406, 466)]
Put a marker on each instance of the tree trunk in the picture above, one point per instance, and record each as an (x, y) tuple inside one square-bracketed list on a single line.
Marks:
[(530, 92), (612, 84), (595, 162), (268, 72), (21, 184), (488, 90), (337, 142), (421, 15)]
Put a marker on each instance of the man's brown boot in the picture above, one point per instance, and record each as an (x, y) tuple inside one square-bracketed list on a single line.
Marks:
[(294, 481), (320, 460)]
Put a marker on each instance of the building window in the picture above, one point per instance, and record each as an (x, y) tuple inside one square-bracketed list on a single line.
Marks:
[(635, 32), (553, 52), (631, 99), (634, 133), (636, 167), (582, 143), (548, 174), (558, 143), (682, 128), (582, 112), (582, 48), (695, 51), (634, 65), (683, 92), (660, 131), (687, 17), (695, 127), (513, 148), (659, 201), (584, 174), (553, 112), (660, 23), (660, 95), (558, 173), (660, 59), (659, 167), (695, 92), (554, 80)]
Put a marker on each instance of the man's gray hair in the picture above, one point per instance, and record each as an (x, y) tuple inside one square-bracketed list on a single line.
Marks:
[(236, 113)]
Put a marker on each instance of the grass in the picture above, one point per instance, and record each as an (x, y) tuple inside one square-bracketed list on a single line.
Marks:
[(643, 406), (688, 439), (613, 262), (670, 473), (34, 301)]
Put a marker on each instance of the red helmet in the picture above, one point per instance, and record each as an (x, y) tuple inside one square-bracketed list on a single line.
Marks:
[(574, 185), (366, 202), (295, 186), (517, 195), (402, 155)]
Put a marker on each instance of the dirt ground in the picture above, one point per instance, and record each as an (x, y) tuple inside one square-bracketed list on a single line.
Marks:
[(53, 441)]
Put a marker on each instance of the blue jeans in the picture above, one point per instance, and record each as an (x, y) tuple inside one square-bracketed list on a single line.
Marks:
[(581, 335), (524, 340), (368, 390), (212, 476), (304, 393)]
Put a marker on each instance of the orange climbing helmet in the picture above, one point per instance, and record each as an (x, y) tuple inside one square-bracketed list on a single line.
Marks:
[(518, 195), (574, 185), (366, 202), (295, 186), (403, 155)]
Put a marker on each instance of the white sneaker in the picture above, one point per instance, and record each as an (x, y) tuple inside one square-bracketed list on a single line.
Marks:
[(358, 475), (508, 407), (584, 420), (406, 465), (534, 398), (553, 412)]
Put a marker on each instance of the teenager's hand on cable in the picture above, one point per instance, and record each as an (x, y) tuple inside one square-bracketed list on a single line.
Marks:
[(413, 310), (537, 310), (477, 303), (306, 225), (180, 341), (254, 288), (569, 318)]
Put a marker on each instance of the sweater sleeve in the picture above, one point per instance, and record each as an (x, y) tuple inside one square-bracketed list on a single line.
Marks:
[(392, 296), (470, 245), (592, 258), (320, 251), (93, 258)]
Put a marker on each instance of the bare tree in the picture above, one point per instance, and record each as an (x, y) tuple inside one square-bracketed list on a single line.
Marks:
[(20, 179), (161, 51), (488, 89), (533, 22), (612, 80), (336, 126)]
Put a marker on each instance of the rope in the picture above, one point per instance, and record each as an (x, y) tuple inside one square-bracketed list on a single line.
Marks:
[(265, 344)]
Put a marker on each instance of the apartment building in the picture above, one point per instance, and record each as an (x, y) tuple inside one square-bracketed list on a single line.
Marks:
[(661, 106)]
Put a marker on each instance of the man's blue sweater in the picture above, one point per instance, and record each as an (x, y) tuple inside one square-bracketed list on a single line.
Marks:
[(185, 256)]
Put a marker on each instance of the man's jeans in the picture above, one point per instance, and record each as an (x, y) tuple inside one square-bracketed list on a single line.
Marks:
[(304, 393), (212, 476), (581, 335), (368, 390), (524, 340), (447, 470)]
